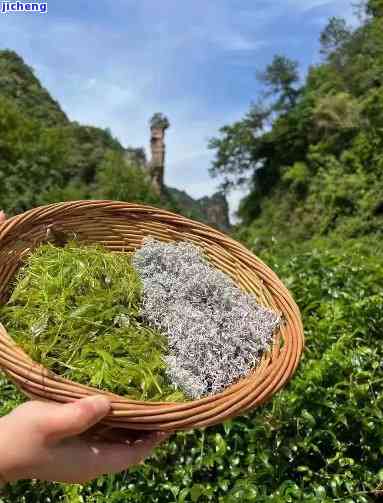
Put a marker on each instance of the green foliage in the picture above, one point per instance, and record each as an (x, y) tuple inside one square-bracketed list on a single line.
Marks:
[(28, 150), (77, 311), (89, 147), (123, 181), (297, 177), (233, 153), (40, 164), (337, 112), (375, 8), (319, 440), (19, 85), (280, 77), (238, 149), (316, 187), (159, 120), (334, 36), (46, 158), (333, 129), (317, 173), (72, 191)]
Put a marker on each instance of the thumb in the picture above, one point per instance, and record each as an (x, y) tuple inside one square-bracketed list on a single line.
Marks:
[(2, 217), (74, 418)]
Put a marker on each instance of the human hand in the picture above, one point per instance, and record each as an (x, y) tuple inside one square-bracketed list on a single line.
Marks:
[(46, 441), (52, 442)]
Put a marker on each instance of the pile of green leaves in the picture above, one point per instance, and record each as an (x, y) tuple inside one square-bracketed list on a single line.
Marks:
[(77, 311)]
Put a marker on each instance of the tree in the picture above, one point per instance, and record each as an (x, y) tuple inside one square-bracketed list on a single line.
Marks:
[(375, 8), (337, 112), (33, 158), (360, 10), (280, 78), (160, 121), (334, 36), (123, 181), (236, 148)]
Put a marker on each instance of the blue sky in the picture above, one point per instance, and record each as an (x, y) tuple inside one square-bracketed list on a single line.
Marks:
[(113, 63)]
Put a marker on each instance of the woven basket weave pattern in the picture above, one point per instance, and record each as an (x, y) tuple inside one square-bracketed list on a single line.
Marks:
[(121, 227)]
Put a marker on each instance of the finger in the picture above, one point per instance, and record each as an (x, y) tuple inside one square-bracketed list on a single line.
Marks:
[(121, 435), (74, 418), (114, 457), (2, 217)]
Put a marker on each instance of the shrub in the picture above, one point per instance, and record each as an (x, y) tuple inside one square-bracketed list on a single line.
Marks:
[(318, 441), (297, 177)]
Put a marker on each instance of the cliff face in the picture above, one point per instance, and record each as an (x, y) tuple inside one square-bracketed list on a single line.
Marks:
[(216, 210), (213, 210)]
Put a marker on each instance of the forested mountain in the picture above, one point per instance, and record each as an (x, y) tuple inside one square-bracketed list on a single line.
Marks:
[(19, 85), (45, 157), (312, 152)]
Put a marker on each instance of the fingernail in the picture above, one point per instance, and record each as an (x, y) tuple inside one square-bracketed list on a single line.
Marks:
[(100, 403)]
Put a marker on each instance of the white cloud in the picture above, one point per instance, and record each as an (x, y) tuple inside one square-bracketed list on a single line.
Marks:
[(238, 42), (343, 8), (305, 5)]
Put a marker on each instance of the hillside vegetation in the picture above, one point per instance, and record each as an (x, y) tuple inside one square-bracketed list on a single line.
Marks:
[(312, 155), (45, 157)]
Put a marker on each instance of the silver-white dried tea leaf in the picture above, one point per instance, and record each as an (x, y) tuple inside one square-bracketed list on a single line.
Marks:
[(216, 332)]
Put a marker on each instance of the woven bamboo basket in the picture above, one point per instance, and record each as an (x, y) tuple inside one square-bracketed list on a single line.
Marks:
[(121, 227)]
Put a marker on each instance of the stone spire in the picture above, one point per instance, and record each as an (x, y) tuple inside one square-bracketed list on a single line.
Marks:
[(158, 125)]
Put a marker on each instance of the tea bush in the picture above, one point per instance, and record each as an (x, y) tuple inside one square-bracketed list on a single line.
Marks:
[(319, 440)]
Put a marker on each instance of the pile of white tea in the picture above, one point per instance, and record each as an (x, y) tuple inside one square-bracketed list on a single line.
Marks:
[(216, 332)]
